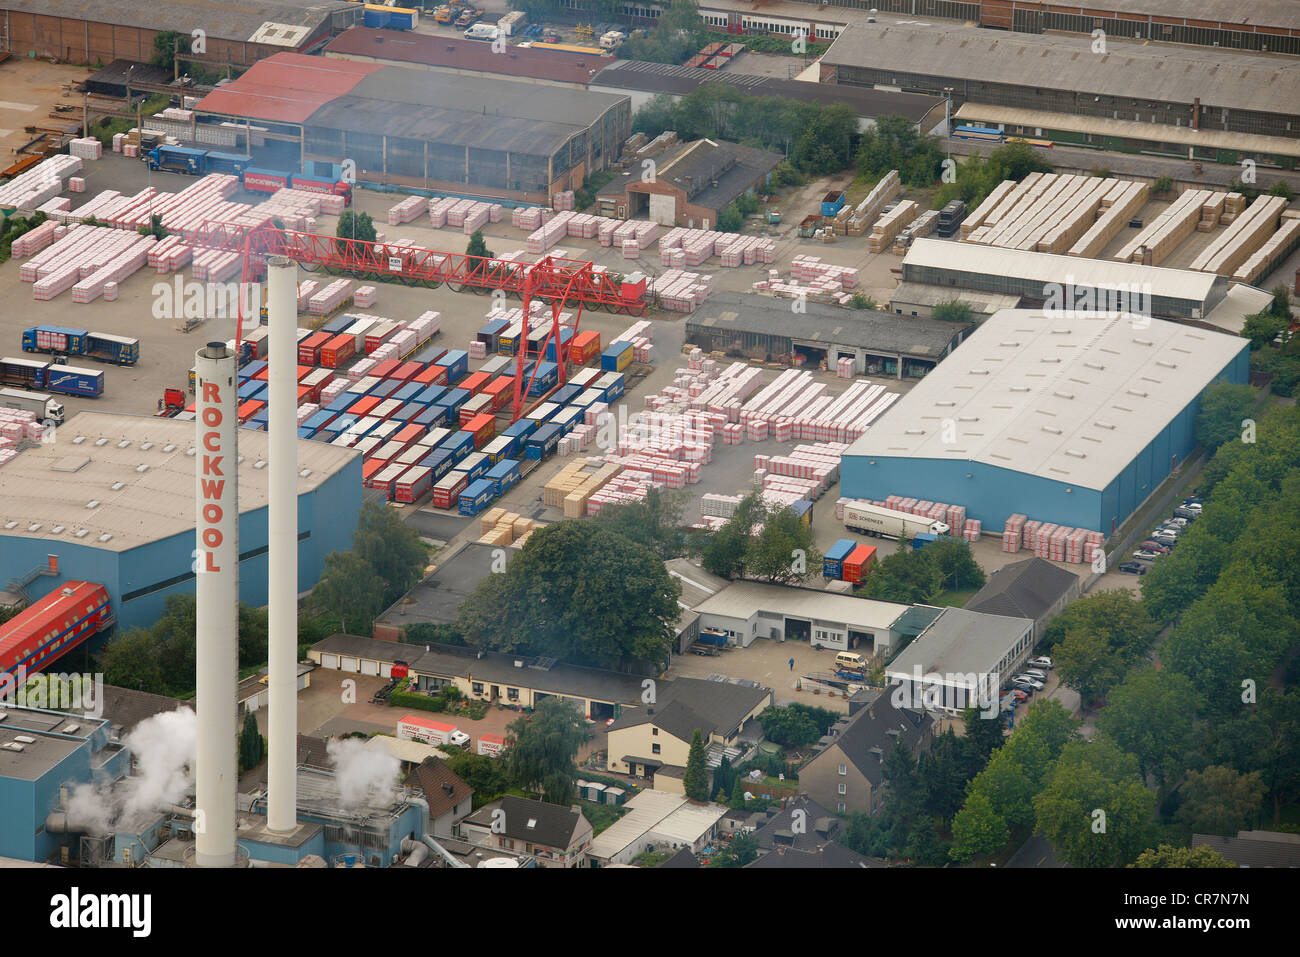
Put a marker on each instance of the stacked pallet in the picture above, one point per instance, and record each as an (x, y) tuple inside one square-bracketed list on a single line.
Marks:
[(42, 182), (306, 289), (574, 484), (330, 298), (921, 227), (499, 527), (1013, 532), (170, 254), (548, 234), (794, 407), (889, 225), (34, 240), (1118, 211), (530, 217), (982, 213), (1154, 244), (862, 215), (128, 261), (681, 291), (563, 200), (1277, 248), (86, 148), (215, 265), (1244, 237), (408, 210)]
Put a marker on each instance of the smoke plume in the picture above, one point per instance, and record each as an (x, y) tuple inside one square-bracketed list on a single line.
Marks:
[(365, 778)]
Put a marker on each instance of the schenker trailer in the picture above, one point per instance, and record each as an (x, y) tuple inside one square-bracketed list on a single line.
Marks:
[(889, 523)]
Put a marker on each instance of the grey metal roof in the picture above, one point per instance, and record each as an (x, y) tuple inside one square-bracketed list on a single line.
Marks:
[(1073, 398), (1024, 589), (835, 856), (227, 19), (686, 704), (823, 325), (870, 730), (1248, 13), (960, 642), (1255, 848), (550, 825), (1169, 73), (645, 77)]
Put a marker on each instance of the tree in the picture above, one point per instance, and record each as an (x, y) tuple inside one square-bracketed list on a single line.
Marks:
[(477, 246), (1281, 304), (486, 776), (742, 850), (541, 749), (252, 746), (1098, 638), (1221, 801), (977, 829), (955, 562), (391, 548), (1262, 328), (165, 44), (1150, 715), (788, 727), (696, 780), (130, 660), (724, 553), (894, 143), (578, 592), (654, 522), (784, 551), (731, 220), (1166, 855), (860, 300), (1162, 185), (1094, 810), (350, 590), (954, 310), (1223, 407), (353, 225), (905, 576)]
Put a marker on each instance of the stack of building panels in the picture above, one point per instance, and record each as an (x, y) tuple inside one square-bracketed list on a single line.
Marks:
[(1247, 234), (888, 226), (866, 211), (330, 298), (1115, 217), (1154, 244), (1277, 248), (408, 210)]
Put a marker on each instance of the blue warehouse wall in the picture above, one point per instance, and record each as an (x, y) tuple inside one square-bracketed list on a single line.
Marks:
[(991, 494), (140, 579)]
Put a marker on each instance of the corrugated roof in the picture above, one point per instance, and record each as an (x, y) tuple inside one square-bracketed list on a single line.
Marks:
[(286, 88), (680, 80), (1025, 589), (47, 489), (1071, 398), (1169, 73), (457, 53), (1247, 13), (1156, 281), (226, 19), (959, 642)]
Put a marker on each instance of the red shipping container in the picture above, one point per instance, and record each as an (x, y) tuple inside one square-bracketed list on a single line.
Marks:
[(474, 383), (858, 564), (432, 375), (446, 493), (303, 372), (248, 409), (369, 469), (407, 371), (316, 381), (363, 405), (385, 369), (387, 477), (304, 394), (409, 433), (413, 484), (338, 351), (584, 345), (380, 333), (484, 428), (501, 389), (309, 348)]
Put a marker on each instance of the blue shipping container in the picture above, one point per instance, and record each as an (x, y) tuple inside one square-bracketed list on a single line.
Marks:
[(440, 461), (542, 442), (617, 357), (431, 416), (454, 399), (613, 383), (503, 475), (476, 497), (475, 464), (386, 388), (408, 391), (306, 433), (251, 390), (456, 361), (521, 429), (461, 444), (408, 412), (320, 419)]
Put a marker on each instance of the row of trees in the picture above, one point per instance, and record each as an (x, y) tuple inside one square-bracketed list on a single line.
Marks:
[(1280, 360), (922, 575)]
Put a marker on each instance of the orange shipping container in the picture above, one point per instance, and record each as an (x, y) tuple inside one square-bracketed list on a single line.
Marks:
[(474, 384), (407, 371), (364, 405), (369, 469), (338, 351), (248, 409), (309, 348), (500, 389), (484, 428), (431, 375), (584, 345), (859, 563), (409, 433)]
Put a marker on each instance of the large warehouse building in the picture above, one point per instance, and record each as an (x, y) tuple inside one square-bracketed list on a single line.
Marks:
[(472, 135), (1067, 419), (1057, 78), (112, 501), (239, 33)]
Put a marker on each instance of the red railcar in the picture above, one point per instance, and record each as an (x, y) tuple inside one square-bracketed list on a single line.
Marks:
[(53, 626)]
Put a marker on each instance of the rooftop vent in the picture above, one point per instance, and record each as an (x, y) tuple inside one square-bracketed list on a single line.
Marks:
[(71, 729), (24, 739), (1095, 365), (142, 468), (1076, 453), (979, 371), (11, 524), (1143, 342), (1064, 395), (1050, 359), (125, 443), (78, 440), (1009, 343), (1020, 388), (169, 447), (1167, 364), (34, 527), (304, 473), (1104, 425), (11, 746), (1139, 393), (105, 537), (189, 451), (117, 486), (57, 529), (146, 446), (79, 533), (1051, 428), (259, 464), (101, 441)]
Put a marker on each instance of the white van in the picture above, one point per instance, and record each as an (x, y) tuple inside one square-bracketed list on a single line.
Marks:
[(482, 31), (851, 661)]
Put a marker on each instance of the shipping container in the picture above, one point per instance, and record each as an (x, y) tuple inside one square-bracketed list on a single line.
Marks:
[(477, 405), (453, 399), (566, 394), (413, 485), (387, 409), (430, 394), (337, 325), (584, 347), (460, 442), (502, 447), (363, 406), (407, 371), (483, 427), (617, 357), (411, 455), (547, 376), (541, 413), (833, 559), (474, 382), (264, 180), (248, 409), (306, 433), (320, 419), (585, 377), (432, 415), (446, 491), (385, 479), (503, 475), (476, 497), (380, 333), (431, 375), (500, 390), (490, 332), (542, 443), (612, 384), (434, 437), (251, 389), (358, 331), (497, 365), (385, 368), (409, 433), (568, 418), (407, 391), (338, 351), (521, 429), (316, 380), (409, 411), (474, 465), (439, 462), (859, 563), (456, 362)]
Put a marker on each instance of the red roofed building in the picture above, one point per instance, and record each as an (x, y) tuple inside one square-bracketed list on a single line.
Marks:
[(285, 88)]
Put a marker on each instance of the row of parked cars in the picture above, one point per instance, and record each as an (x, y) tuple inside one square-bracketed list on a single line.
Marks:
[(1164, 538), (1033, 678)]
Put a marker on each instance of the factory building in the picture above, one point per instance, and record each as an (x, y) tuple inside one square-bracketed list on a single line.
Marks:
[(470, 135), (238, 34), (1070, 419), (112, 501), (1158, 85), (880, 343), (936, 268)]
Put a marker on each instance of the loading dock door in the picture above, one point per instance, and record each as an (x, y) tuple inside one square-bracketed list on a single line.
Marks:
[(329, 661), (369, 666), (663, 209), (797, 629), (347, 664)]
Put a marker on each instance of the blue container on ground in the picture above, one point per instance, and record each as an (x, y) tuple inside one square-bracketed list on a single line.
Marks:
[(319, 420), (475, 463), (617, 357), (476, 497), (503, 475), (408, 412), (430, 416), (408, 391), (456, 362), (833, 558), (613, 385), (566, 393), (338, 324), (460, 443), (453, 400), (251, 369), (440, 461), (542, 442), (386, 388), (251, 390), (521, 429), (430, 394)]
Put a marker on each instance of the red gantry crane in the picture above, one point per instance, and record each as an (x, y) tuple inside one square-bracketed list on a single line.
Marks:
[(560, 281)]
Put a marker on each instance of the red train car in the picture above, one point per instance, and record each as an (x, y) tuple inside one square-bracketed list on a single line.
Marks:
[(53, 626)]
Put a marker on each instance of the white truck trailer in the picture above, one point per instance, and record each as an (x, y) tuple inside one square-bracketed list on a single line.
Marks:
[(870, 519)]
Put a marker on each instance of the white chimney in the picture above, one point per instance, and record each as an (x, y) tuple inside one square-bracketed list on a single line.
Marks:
[(282, 544), (217, 599)]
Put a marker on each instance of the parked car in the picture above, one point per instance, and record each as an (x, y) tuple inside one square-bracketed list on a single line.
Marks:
[(1193, 500), (1009, 705), (1133, 568), (1024, 681), (1151, 545), (1042, 661), (1167, 541), (1018, 693), (1179, 521), (1037, 674), (1187, 513), (1144, 555)]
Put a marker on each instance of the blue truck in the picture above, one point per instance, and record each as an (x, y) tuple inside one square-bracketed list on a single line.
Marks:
[(33, 374), (185, 159), (100, 346)]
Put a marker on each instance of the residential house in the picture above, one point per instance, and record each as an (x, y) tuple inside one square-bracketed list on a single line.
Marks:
[(828, 855), (1255, 848), (450, 799), (550, 834)]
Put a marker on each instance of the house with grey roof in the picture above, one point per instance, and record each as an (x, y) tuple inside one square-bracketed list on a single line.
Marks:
[(1034, 589), (450, 799), (1255, 848), (848, 772), (828, 855), (550, 834)]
